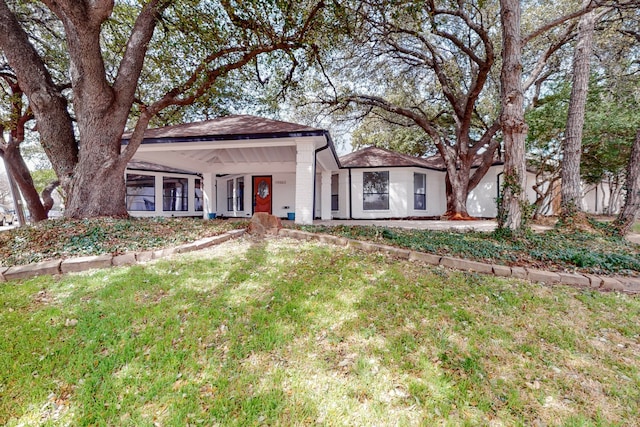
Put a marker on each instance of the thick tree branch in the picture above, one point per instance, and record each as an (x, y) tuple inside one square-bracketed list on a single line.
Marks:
[(48, 104), (132, 61), (448, 153), (487, 158), (559, 21), (197, 85), (544, 58), (92, 91), (204, 77)]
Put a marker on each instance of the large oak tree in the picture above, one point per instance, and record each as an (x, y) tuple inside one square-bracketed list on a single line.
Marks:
[(433, 66), (106, 44), (428, 65)]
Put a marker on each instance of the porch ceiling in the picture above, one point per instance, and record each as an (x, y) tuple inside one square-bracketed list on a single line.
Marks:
[(222, 158), (234, 144)]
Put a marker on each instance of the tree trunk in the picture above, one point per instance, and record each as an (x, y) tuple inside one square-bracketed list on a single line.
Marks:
[(571, 194), (514, 129), (19, 172), (99, 163), (47, 199), (629, 211), (20, 177), (457, 191), (48, 104), (457, 204), (17, 198)]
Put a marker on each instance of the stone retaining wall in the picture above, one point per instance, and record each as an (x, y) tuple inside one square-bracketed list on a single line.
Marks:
[(605, 283), (78, 264), (73, 265)]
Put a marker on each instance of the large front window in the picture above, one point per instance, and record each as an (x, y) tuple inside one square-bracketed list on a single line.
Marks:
[(419, 191), (141, 192), (175, 194), (375, 194)]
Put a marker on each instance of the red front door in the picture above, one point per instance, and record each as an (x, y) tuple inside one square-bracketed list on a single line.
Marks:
[(262, 194)]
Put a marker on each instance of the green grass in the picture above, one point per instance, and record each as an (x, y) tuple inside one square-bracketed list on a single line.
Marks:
[(278, 332), (551, 250)]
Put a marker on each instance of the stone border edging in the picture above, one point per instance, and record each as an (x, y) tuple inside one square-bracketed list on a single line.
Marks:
[(604, 283), (78, 264)]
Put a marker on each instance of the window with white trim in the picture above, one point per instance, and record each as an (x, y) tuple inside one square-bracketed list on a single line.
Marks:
[(230, 195), (175, 194), (240, 194), (419, 191), (375, 190), (198, 196), (141, 192), (334, 192)]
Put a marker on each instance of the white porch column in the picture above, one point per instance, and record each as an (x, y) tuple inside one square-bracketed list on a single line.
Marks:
[(325, 192), (208, 194), (345, 200), (304, 182)]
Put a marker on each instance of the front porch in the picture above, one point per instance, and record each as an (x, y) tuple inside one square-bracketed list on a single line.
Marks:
[(249, 164)]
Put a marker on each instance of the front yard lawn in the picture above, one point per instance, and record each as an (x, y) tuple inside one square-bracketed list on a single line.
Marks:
[(280, 332)]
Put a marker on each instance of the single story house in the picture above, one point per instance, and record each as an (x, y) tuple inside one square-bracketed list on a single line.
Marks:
[(375, 183), (237, 165)]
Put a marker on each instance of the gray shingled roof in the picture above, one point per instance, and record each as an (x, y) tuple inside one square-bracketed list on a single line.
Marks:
[(372, 157), (233, 126), (154, 167)]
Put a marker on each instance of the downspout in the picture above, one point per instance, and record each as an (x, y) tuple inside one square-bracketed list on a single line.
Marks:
[(327, 138), (315, 180)]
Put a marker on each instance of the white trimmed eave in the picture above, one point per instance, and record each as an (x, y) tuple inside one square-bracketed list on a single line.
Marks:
[(327, 160), (232, 156)]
